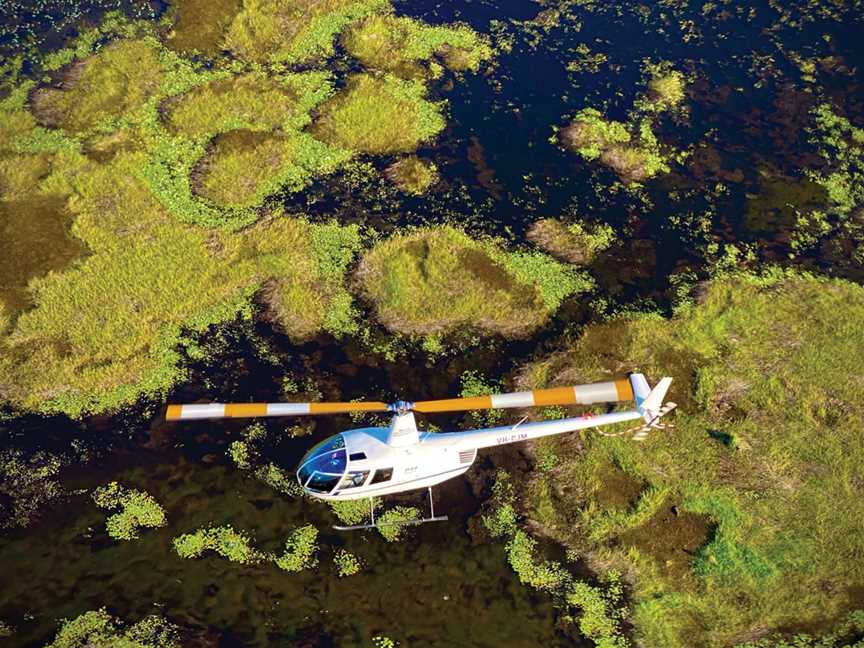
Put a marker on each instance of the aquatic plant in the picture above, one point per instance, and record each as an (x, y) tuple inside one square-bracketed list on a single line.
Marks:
[(666, 88), (137, 510), (412, 175), (399, 44), (840, 176), (632, 151), (773, 367), (473, 383), (391, 523), (27, 482), (575, 242), (224, 540), (347, 564), (599, 613), (438, 280), (300, 549), (378, 114), (354, 511), (99, 628)]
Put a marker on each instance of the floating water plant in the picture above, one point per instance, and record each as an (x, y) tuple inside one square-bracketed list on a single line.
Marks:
[(438, 280), (138, 510), (599, 614), (300, 549), (633, 153), (391, 523), (347, 564), (99, 628), (234, 545)]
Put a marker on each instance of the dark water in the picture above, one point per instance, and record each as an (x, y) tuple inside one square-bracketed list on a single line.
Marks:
[(746, 123)]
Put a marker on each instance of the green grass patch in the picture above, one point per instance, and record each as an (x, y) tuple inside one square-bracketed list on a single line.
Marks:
[(438, 280), (241, 168), (137, 510), (399, 44), (378, 115), (99, 90), (293, 31), (413, 175), (199, 26), (760, 468), (107, 330), (252, 101), (575, 242), (35, 239)]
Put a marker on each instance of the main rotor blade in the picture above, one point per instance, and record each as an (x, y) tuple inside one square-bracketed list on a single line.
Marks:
[(243, 410), (605, 392)]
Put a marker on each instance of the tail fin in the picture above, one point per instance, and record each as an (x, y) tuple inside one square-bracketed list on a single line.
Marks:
[(649, 403)]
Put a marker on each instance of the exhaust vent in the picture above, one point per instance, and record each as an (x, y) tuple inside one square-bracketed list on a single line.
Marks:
[(467, 456)]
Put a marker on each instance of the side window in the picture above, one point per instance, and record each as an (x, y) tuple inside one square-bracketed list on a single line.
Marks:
[(382, 475), (354, 479)]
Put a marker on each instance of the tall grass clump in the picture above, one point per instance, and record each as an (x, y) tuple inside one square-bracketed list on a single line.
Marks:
[(749, 504), (398, 44), (438, 280), (379, 115)]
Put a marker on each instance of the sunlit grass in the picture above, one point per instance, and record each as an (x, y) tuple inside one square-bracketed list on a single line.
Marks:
[(412, 175), (242, 168), (96, 92), (767, 447), (107, 330), (379, 115), (253, 101), (438, 280), (399, 43), (293, 31)]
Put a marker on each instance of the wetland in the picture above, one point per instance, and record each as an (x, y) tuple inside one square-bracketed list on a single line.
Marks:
[(261, 200)]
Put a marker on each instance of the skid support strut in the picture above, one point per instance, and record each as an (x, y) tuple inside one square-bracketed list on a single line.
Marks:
[(374, 525)]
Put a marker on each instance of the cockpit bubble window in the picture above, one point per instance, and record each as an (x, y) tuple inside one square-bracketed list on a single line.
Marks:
[(322, 482), (328, 459)]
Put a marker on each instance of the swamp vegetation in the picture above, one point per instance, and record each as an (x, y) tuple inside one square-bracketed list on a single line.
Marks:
[(267, 200)]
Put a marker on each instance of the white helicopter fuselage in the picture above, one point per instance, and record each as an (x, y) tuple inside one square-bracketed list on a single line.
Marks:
[(385, 460)]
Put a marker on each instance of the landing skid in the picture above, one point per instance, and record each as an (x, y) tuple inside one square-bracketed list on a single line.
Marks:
[(374, 525)]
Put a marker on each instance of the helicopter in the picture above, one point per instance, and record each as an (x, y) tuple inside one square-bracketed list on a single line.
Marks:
[(374, 461)]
